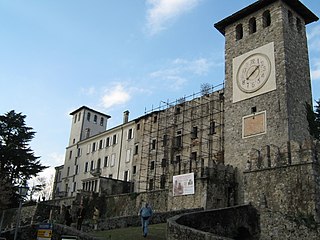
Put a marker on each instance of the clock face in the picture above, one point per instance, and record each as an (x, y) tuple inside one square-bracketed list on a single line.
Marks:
[(253, 72)]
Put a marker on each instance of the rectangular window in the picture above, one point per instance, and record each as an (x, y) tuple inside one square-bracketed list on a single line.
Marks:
[(152, 165), (151, 184), (68, 171), (114, 139), (178, 142), (153, 144), (79, 152), (107, 141), (164, 163), (138, 126), (130, 133), (126, 176), (94, 147), (136, 149), (128, 156), (194, 156), (70, 154), (162, 181), (106, 161), (155, 119), (165, 140), (101, 144), (86, 167), (134, 170), (113, 158), (91, 166), (212, 128), (194, 132)]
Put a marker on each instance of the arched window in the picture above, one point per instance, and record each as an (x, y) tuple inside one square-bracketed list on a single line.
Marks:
[(101, 121), (299, 25), (290, 18), (88, 116), (239, 32), (252, 25), (266, 19), (95, 119)]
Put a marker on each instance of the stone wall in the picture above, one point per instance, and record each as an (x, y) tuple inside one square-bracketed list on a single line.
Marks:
[(214, 189), (134, 221), (283, 183), (276, 225), (37, 213), (241, 222)]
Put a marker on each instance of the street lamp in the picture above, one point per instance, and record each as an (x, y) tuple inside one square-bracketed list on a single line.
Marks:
[(23, 190)]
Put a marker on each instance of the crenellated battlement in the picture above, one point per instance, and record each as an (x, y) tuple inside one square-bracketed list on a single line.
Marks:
[(291, 153)]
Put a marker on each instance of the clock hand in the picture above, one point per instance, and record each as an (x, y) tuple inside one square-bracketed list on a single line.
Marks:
[(253, 72)]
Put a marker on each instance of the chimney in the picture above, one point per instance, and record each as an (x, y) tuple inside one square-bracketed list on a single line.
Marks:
[(125, 116)]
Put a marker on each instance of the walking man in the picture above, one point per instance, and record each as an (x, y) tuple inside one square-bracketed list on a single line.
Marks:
[(145, 214)]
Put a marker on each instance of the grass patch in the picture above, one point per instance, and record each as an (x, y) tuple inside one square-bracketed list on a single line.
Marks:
[(156, 232)]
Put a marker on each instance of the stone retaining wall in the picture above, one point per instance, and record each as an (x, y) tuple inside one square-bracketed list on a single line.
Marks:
[(241, 222)]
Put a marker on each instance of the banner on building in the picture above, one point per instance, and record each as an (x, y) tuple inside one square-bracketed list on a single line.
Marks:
[(183, 184)]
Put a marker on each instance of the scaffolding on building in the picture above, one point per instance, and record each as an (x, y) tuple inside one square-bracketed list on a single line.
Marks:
[(180, 137)]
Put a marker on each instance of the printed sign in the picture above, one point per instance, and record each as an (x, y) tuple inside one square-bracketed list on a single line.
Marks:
[(44, 231), (183, 184)]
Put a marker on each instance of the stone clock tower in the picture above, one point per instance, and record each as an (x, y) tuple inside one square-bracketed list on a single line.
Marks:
[(267, 81)]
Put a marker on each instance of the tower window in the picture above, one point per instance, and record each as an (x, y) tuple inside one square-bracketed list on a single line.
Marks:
[(88, 116), (252, 25), (101, 121), (299, 25), (290, 18), (79, 116), (266, 18), (95, 118), (239, 32), (253, 109), (75, 118)]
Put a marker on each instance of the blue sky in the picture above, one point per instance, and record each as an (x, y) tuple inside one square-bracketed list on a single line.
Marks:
[(113, 55)]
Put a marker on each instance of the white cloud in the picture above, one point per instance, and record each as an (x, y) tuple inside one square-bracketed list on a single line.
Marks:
[(178, 70), (115, 95), (162, 12)]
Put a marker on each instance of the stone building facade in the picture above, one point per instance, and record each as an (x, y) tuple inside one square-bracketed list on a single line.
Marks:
[(253, 131)]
